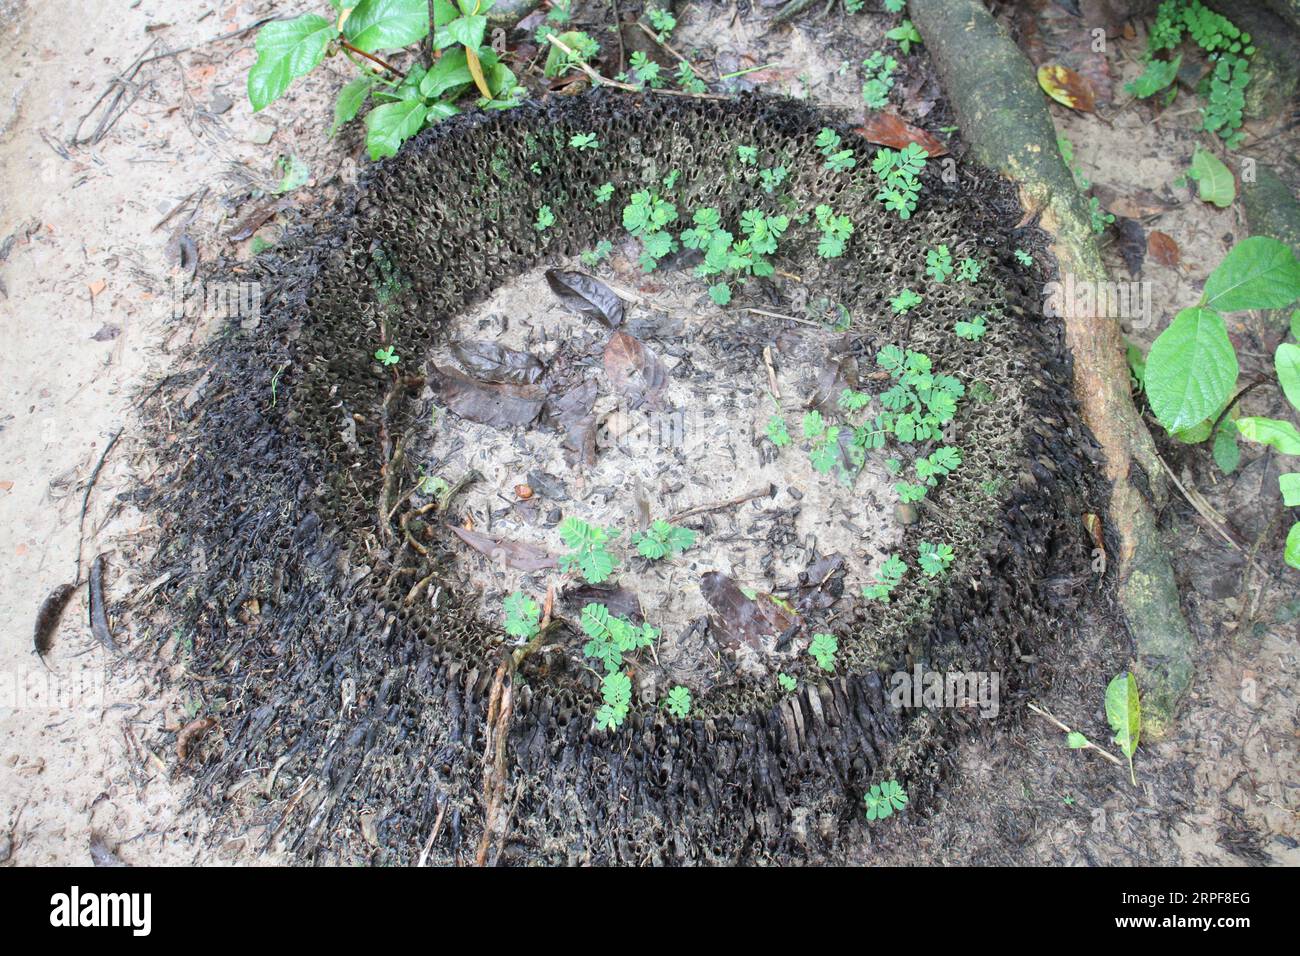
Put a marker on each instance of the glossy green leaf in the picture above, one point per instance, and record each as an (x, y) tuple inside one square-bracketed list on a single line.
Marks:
[(1287, 362), (387, 24), (1290, 485), (349, 101), (1190, 369), (451, 71), (1282, 435), (1124, 712), (1292, 552), (1214, 182), (1227, 453), (1258, 273), (286, 50), (392, 124)]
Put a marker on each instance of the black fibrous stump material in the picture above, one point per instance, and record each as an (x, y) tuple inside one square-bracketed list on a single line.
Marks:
[(327, 598)]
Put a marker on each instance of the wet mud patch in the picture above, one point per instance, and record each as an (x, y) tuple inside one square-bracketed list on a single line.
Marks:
[(692, 449), (352, 669)]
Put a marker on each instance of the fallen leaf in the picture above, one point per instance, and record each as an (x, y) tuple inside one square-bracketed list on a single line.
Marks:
[(740, 617), (821, 585), (258, 215), (836, 375), (1162, 248), (97, 287), (491, 362), (1067, 87), (587, 296), (192, 733), (572, 414), (497, 405), (620, 601), (6, 485), (511, 554), (1132, 244), (634, 370), (889, 129), (1134, 205)]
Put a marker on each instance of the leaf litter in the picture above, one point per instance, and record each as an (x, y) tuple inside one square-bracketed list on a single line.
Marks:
[(663, 416)]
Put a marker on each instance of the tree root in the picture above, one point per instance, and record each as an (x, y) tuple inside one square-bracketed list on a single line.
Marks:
[(1004, 117)]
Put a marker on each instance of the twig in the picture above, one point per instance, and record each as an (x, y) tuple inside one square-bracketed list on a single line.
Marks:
[(1235, 399), (765, 492), (618, 84), (372, 58), (1203, 509), (788, 318), (1090, 745), (433, 834), (655, 37), (85, 498)]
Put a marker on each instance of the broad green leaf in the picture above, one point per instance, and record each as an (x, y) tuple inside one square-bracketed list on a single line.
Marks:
[(392, 124), (1076, 740), (1196, 434), (286, 50), (450, 71), (467, 31), (387, 24), (1295, 325), (1282, 435), (1258, 273), (1290, 485), (1214, 182), (349, 102), (1227, 454), (1124, 712), (1191, 369), (1292, 552), (1287, 363)]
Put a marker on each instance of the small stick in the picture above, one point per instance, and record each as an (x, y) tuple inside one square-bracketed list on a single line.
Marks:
[(788, 318), (372, 58), (771, 372), (85, 498), (618, 85), (765, 492), (655, 37), (1090, 745)]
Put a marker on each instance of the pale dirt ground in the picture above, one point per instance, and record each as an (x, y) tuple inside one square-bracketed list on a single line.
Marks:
[(87, 254)]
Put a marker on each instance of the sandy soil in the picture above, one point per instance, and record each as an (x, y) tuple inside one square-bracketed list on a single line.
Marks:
[(88, 749)]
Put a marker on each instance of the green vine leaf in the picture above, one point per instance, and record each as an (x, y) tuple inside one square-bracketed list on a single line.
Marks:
[(1290, 485), (386, 24), (286, 50), (392, 124), (1282, 435), (1124, 712), (1214, 182), (1258, 273), (349, 101), (1292, 552), (1190, 369), (1287, 362)]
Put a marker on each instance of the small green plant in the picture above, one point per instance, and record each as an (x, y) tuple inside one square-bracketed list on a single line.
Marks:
[(938, 264), (969, 270), (777, 432), (772, 177), (688, 80), (663, 540), (581, 141), (545, 219), (720, 293), (905, 35), (604, 192), (663, 21), (407, 102), (1228, 50), (678, 702), (616, 694), (971, 331), (645, 70), (934, 559), (387, 356), (523, 616), (835, 230), (1098, 219), (823, 649), (1191, 371), (747, 155), (593, 257), (788, 683), (610, 637), (918, 404), (879, 70), (824, 447), (1024, 258), (883, 799), (645, 217), (905, 301), (590, 554), (899, 173), (887, 578)]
